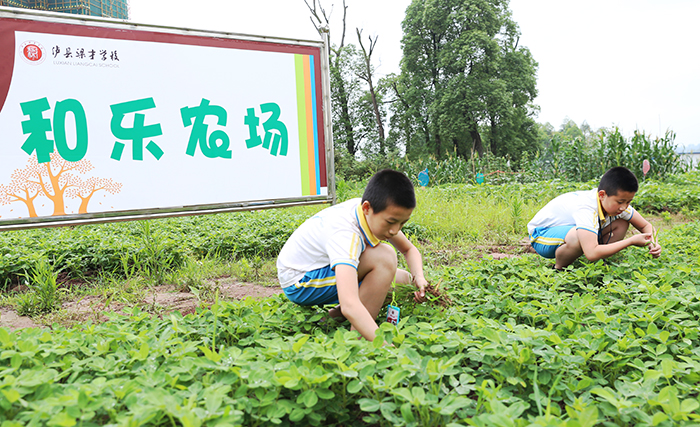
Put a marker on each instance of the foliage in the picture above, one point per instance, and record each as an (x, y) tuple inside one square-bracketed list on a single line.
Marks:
[(610, 343), (678, 193), (456, 170), (577, 160), (462, 69), (43, 296), (587, 158), (493, 212), (152, 248)]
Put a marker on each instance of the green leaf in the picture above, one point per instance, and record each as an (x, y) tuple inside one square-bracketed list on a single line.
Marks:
[(652, 329), (607, 395), (16, 361), (11, 395), (689, 405), (451, 403), (354, 386), (298, 344), (142, 354), (308, 398), (209, 354), (297, 415), (403, 393), (419, 395), (62, 419), (652, 374), (667, 366), (406, 413), (658, 418), (190, 420), (5, 337), (325, 393), (369, 405)]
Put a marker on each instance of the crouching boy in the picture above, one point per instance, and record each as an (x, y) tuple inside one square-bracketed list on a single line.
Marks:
[(591, 223), (339, 255)]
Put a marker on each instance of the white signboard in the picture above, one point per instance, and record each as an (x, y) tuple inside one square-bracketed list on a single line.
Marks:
[(106, 122)]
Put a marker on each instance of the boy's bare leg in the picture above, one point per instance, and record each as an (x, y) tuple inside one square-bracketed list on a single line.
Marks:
[(569, 251), (619, 231), (376, 271), (403, 277)]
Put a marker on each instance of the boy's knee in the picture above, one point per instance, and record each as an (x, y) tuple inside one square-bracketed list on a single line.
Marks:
[(620, 224), (387, 254), (382, 256)]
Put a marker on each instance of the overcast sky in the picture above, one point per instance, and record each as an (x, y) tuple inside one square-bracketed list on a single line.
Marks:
[(626, 63)]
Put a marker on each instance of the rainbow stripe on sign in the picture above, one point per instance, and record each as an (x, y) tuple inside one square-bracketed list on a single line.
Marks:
[(308, 125)]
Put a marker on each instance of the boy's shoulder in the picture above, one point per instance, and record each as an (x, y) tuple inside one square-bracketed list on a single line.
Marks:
[(341, 212), (577, 199)]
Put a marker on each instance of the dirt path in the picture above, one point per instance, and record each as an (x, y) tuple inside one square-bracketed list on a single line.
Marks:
[(165, 298)]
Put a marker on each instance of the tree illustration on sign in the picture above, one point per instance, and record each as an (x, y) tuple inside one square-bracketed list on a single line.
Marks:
[(86, 189), (21, 189), (56, 180)]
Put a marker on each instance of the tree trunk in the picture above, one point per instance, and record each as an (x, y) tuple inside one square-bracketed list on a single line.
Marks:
[(346, 123), (476, 142), (367, 76)]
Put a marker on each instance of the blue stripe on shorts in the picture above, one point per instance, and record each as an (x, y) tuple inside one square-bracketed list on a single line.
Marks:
[(545, 241), (317, 287)]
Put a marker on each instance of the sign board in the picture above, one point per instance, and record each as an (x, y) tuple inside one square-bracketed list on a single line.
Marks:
[(102, 120)]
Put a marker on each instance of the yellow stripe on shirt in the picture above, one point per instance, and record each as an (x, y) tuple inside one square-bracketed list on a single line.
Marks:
[(354, 245)]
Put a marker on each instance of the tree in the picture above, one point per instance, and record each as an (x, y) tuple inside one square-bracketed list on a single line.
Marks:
[(339, 58), (366, 73), (570, 129), (463, 72)]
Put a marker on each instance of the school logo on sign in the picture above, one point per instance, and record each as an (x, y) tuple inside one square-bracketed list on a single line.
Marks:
[(33, 52)]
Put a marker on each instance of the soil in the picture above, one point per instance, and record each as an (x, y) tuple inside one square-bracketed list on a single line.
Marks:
[(165, 299)]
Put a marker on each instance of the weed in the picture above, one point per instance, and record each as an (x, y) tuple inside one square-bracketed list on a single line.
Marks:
[(153, 260), (43, 295)]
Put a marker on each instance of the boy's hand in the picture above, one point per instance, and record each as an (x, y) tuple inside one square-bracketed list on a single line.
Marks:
[(641, 240), (419, 295), (654, 250)]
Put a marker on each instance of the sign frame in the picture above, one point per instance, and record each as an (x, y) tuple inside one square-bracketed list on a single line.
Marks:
[(55, 21)]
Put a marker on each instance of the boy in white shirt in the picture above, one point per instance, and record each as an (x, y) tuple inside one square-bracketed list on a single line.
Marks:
[(591, 223), (338, 255)]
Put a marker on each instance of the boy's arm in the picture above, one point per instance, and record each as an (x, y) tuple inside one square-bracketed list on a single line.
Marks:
[(352, 307), (594, 252), (414, 261)]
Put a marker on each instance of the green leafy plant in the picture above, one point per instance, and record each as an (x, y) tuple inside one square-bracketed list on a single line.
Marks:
[(43, 295)]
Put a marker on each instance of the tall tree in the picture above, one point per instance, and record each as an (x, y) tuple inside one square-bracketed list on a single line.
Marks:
[(366, 73), (341, 86), (464, 77)]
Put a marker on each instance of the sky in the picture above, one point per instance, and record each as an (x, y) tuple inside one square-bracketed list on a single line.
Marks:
[(626, 63)]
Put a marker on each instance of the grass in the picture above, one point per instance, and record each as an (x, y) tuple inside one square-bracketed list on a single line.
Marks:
[(107, 292), (450, 224)]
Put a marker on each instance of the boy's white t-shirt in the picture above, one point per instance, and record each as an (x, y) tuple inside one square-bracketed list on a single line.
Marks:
[(579, 208), (336, 235)]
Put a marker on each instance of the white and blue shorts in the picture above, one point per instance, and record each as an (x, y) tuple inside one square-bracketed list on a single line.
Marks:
[(317, 287), (545, 241)]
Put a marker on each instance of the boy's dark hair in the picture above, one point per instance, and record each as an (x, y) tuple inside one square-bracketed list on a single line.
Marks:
[(389, 187), (617, 179)]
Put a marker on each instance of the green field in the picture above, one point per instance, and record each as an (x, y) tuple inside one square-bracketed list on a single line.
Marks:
[(609, 343)]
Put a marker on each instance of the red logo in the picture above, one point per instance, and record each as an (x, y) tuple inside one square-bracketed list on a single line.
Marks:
[(33, 52)]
